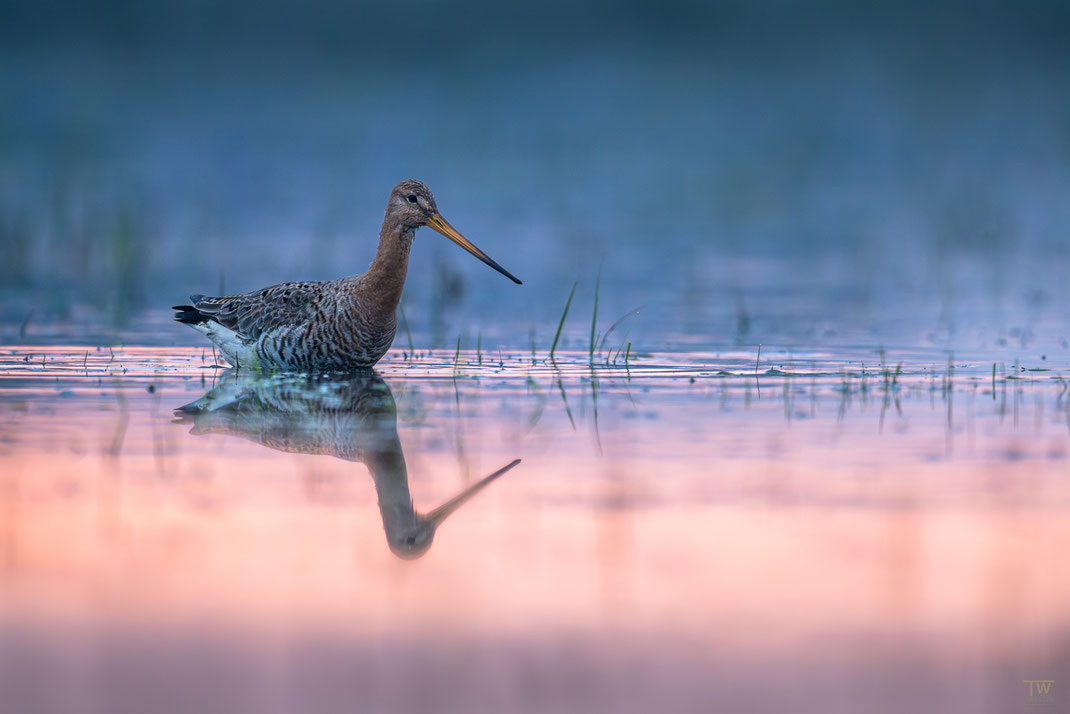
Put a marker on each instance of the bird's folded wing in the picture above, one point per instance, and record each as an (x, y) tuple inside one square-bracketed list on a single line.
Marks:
[(252, 314)]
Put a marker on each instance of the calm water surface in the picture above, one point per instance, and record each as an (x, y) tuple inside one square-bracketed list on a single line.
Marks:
[(849, 532), (832, 526)]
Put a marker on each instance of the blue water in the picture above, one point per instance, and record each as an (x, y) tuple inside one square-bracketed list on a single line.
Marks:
[(808, 177)]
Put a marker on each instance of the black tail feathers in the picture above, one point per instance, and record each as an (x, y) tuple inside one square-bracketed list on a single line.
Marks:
[(189, 315)]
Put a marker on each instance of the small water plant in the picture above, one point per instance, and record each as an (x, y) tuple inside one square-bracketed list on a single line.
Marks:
[(561, 322), (594, 317)]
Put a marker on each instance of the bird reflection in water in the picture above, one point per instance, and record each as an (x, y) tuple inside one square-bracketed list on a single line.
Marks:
[(352, 418)]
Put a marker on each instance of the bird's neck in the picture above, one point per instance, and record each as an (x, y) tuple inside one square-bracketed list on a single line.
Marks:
[(392, 489), (385, 278)]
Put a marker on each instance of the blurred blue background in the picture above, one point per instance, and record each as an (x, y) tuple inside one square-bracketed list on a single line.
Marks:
[(812, 174)]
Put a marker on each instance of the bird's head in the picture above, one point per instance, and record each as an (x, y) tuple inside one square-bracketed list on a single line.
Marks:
[(413, 205), (413, 541), (411, 538)]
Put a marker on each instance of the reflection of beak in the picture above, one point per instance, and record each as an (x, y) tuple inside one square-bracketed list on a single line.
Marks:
[(439, 224), (443, 512)]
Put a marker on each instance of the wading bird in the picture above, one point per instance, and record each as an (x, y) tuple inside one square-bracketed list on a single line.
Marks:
[(327, 326), (353, 418)]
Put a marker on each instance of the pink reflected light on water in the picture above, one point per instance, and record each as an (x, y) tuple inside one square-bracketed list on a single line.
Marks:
[(700, 549)]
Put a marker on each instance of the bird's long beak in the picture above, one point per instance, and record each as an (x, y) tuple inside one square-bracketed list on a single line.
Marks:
[(439, 224), (443, 512)]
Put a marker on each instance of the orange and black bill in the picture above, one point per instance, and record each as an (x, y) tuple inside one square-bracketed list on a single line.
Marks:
[(439, 224)]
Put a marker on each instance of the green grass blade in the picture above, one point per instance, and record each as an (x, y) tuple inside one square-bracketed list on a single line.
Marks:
[(625, 340), (405, 324), (561, 323), (594, 317)]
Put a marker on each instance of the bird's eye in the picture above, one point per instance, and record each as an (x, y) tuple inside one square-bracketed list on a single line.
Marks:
[(412, 198)]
